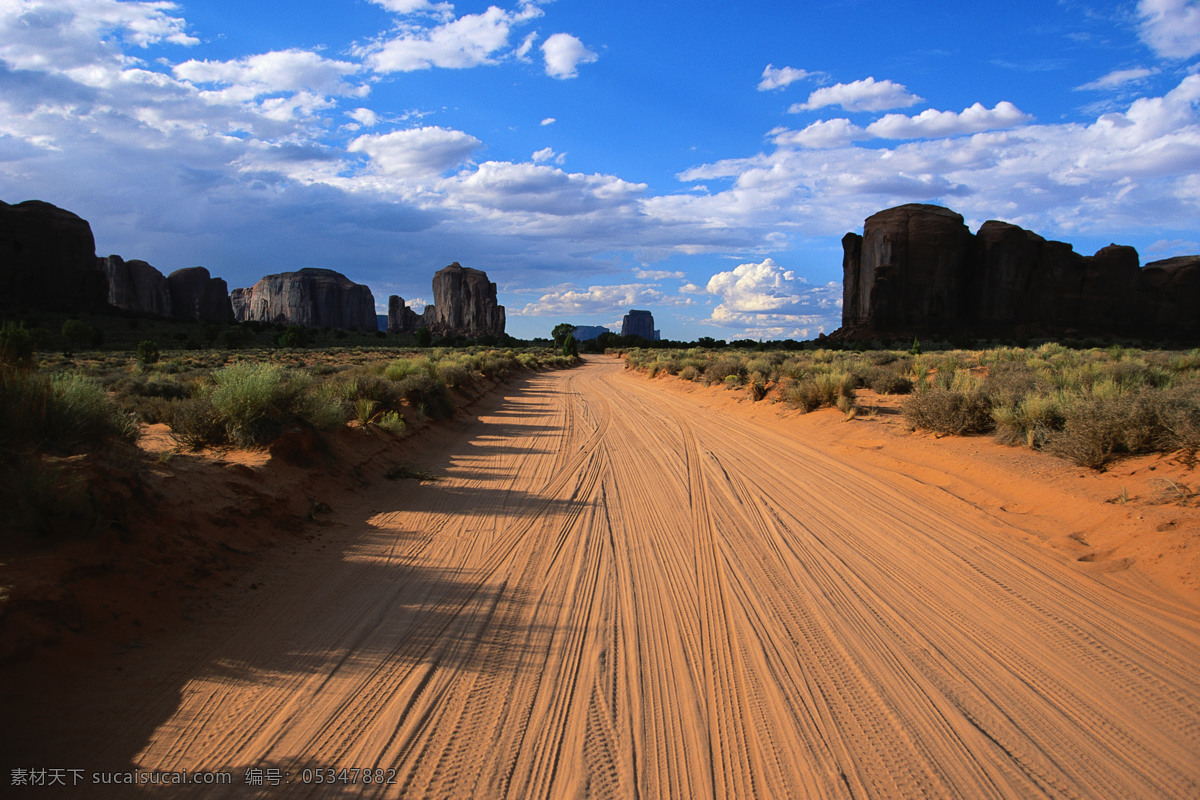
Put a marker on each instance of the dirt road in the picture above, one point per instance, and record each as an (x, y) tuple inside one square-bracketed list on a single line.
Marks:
[(614, 592)]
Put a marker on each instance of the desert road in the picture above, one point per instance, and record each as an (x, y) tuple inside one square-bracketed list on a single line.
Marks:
[(613, 591)]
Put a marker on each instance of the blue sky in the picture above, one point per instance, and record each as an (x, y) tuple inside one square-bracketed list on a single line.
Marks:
[(697, 159)]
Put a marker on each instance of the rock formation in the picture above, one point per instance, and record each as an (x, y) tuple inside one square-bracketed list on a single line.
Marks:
[(314, 298), (136, 286), (464, 304), (196, 295), (48, 259), (585, 333), (402, 319), (916, 269), (639, 323)]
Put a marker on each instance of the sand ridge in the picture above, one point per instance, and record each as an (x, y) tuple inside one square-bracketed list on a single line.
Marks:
[(621, 588)]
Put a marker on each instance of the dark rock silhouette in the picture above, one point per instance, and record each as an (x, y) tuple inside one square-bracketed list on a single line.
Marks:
[(401, 318), (136, 286), (48, 259), (917, 269), (196, 295), (313, 298), (464, 304), (639, 323), (585, 333)]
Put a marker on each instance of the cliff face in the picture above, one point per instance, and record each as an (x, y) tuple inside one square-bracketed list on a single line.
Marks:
[(136, 286), (314, 298), (464, 304), (639, 323), (917, 269), (196, 295), (48, 259), (401, 318)]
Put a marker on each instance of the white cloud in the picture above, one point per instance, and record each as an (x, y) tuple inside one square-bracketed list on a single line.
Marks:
[(538, 189), (468, 41), (1171, 27), (1119, 77), (597, 299), (931, 124), (548, 121), (768, 300), (826, 133), (658, 274), (364, 116), (415, 7), (417, 153), (564, 53), (270, 73), (778, 77), (526, 46), (865, 95)]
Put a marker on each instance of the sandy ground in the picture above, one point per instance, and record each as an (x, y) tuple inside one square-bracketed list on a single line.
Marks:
[(620, 587)]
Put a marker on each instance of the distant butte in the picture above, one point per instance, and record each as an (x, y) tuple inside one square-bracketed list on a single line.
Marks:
[(918, 270)]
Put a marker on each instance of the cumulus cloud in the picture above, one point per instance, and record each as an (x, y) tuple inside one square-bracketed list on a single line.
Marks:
[(932, 124), (548, 121), (826, 133), (597, 299), (865, 95), (564, 53), (770, 300), (467, 41), (417, 153), (1119, 77), (274, 72), (778, 77), (540, 189), (1171, 27)]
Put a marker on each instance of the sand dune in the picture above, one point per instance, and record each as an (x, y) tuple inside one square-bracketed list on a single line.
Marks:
[(618, 591)]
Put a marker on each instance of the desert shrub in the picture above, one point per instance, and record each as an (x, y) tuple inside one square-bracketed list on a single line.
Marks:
[(80, 414), (455, 375), (147, 352), (758, 389), (39, 496), (885, 380), (402, 368), (325, 407), (945, 411), (813, 392), (391, 422), (195, 423), (689, 373), (719, 370), (17, 344), (1029, 421), (497, 367), (366, 386), (423, 391), (257, 401), (366, 411), (293, 337), (1180, 421)]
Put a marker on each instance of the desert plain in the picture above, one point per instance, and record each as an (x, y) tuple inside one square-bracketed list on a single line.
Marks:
[(602, 585)]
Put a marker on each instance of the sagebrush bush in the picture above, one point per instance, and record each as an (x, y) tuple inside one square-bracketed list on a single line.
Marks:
[(423, 391), (886, 380), (195, 423), (946, 411), (257, 401)]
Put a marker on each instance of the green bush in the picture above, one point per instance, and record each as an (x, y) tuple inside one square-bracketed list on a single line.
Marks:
[(147, 352), (884, 380), (17, 344), (423, 391), (257, 401)]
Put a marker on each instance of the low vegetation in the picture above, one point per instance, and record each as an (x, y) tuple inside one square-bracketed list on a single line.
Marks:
[(1087, 405), (57, 412)]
